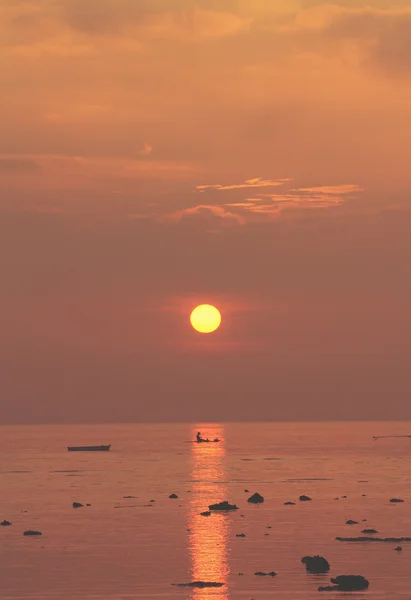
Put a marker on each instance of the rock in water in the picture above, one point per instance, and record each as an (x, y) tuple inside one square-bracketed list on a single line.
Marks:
[(172, 496), (77, 505), (256, 498), (305, 498), (398, 549), (346, 583), (351, 522), (369, 531), (200, 584), (223, 506), (289, 503), (396, 500), (206, 513), (5, 523), (30, 532), (316, 564)]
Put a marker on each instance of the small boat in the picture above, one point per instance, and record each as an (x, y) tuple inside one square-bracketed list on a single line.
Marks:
[(89, 448)]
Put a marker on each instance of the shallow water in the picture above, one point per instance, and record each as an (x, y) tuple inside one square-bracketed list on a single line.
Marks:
[(124, 548)]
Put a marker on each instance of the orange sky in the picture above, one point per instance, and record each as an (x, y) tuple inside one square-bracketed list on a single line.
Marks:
[(155, 154)]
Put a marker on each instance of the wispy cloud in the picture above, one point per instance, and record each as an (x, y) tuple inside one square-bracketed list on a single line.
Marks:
[(146, 150), (268, 206), (209, 213), (257, 182)]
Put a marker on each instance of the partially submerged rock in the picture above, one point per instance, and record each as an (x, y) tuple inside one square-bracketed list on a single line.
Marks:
[(173, 496), (263, 574), (369, 531), (289, 503), (351, 522), (77, 505), (5, 523), (240, 535), (304, 498), (256, 498), (31, 532), (200, 584), (316, 564), (373, 539), (206, 513), (225, 505), (398, 549), (346, 583), (396, 500)]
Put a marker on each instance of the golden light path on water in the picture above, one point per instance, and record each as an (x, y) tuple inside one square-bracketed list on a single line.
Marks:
[(209, 535)]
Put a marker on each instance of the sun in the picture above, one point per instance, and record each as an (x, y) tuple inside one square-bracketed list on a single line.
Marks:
[(205, 318)]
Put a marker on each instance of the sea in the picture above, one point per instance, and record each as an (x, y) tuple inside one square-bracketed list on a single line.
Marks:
[(135, 542)]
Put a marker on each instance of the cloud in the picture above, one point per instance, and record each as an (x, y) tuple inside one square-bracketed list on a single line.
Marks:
[(18, 165), (257, 182), (332, 189), (214, 215), (267, 206), (146, 150)]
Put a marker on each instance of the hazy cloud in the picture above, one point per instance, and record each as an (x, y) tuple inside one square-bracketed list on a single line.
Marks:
[(17, 165)]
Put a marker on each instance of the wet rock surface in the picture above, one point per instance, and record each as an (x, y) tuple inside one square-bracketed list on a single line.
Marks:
[(200, 584), (351, 522), (263, 574), (396, 500), (304, 498), (173, 496), (346, 583), (373, 539), (369, 531), (289, 503), (32, 532), (5, 523), (256, 498), (224, 506), (316, 564), (206, 513), (78, 505)]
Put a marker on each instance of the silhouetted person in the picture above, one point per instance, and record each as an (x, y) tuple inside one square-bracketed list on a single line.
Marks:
[(198, 437)]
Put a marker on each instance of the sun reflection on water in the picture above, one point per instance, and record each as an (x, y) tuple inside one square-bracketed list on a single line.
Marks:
[(209, 535)]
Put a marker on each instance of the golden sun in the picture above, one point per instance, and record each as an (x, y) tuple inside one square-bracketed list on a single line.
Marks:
[(205, 318)]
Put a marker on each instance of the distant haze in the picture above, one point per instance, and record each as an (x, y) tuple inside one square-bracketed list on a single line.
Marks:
[(252, 154)]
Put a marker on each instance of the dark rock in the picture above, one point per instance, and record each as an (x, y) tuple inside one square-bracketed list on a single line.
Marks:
[(316, 564), (152, 500), (364, 520), (128, 497), (363, 495), (262, 574), (304, 498), (200, 584), (5, 523), (396, 500), (272, 574), (351, 522), (289, 503), (373, 539), (344, 496), (256, 498), (173, 496), (88, 504), (398, 549), (240, 535), (247, 491), (223, 506), (346, 583), (77, 505), (369, 531), (31, 532), (206, 513)]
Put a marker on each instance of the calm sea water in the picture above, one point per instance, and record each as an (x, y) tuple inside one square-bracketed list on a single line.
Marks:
[(122, 548)]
